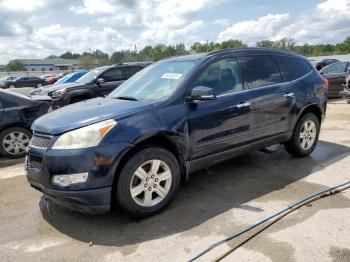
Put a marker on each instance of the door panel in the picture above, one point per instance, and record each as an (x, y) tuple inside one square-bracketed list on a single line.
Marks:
[(1, 110), (272, 105), (335, 74), (272, 99), (226, 122), (336, 82), (219, 124), (106, 88), (113, 78)]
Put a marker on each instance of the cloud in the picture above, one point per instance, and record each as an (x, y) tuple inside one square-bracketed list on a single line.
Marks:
[(252, 30), (37, 28), (221, 22), (23, 5), (56, 39), (328, 22), (160, 34)]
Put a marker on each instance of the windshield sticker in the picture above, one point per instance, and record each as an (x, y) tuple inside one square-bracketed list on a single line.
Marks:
[(174, 76)]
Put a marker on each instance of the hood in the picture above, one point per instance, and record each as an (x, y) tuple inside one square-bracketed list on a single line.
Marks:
[(49, 89), (86, 113), (41, 98)]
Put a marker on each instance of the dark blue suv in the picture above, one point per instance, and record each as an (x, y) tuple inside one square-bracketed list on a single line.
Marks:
[(176, 116)]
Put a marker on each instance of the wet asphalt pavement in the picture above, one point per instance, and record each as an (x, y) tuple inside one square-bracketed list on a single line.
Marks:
[(214, 204)]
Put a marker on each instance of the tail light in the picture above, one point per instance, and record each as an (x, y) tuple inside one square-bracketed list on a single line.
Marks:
[(325, 82)]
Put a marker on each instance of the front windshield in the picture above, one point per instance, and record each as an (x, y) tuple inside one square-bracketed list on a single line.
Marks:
[(90, 76), (155, 82)]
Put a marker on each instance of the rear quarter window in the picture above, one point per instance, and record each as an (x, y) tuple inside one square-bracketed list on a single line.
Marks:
[(292, 67), (259, 71)]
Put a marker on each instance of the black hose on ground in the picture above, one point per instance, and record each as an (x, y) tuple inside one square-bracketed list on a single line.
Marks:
[(272, 219)]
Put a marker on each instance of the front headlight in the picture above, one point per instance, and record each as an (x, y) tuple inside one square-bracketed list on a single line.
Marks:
[(88, 136), (58, 93)]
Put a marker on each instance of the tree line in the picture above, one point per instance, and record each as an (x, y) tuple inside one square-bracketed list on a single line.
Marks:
[(89, 60)]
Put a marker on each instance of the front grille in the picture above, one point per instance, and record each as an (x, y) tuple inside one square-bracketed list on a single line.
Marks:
[(34, 161), (39, 141)]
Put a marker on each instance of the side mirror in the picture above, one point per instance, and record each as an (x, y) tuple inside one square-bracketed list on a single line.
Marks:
[(321, 73), (202, 93), (100, 81)]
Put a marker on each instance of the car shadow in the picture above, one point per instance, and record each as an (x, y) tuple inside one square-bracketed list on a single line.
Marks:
[(7, 162), (208, 194)]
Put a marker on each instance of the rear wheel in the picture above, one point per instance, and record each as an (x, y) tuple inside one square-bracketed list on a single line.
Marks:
[(305, 136), (14, 141), (148, 182)]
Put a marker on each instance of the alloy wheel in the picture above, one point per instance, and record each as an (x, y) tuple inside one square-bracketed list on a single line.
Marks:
[(15, 143), (307, 135), (150, 183)]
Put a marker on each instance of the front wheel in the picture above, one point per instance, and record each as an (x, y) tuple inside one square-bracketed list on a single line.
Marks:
[(148, 182), (14, 141), (305, 136)]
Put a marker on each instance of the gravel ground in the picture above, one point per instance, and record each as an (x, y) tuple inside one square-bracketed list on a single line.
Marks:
[(214, 204)]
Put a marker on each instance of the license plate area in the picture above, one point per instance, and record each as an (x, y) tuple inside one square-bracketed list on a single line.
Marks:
[(34, 161)]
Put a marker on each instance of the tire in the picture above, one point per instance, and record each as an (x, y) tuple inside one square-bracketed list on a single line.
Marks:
[(18, 149), (39, 85), (12, 86), (348, 101), (150, 185), (302, 147)]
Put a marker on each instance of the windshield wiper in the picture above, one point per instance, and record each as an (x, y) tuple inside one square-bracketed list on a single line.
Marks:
[(126, 98)]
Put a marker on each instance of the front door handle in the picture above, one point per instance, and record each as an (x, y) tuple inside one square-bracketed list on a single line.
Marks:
[(289, 95), (244, 104)]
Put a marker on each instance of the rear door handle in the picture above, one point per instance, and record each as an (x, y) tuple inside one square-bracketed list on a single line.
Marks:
[(244, 104), (289, 95)]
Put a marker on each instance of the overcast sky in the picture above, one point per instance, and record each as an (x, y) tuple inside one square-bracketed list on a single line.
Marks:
[(38, 28)]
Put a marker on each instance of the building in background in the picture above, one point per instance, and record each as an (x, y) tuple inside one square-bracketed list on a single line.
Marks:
[(2, 68), (47, 65)]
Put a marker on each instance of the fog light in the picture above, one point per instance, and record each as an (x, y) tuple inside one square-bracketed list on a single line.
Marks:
[(67, 180)]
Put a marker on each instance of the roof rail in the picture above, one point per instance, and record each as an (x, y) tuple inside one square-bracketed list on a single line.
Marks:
[(249, 48)]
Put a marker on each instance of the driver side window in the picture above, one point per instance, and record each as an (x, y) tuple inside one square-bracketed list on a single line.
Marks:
[(112, 75), (222, 76)]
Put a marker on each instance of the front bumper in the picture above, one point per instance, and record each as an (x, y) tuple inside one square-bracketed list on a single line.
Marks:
[(94, 195), (345, 93), (92, 201)]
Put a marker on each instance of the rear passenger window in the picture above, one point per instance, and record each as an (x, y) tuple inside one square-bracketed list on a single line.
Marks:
[(292, 67), (259, 71), (335, 68), (222, 76)]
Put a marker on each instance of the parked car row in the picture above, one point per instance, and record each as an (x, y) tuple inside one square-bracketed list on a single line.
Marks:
[(21, 110), (37, 82), (95, 83), (26, 81)]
